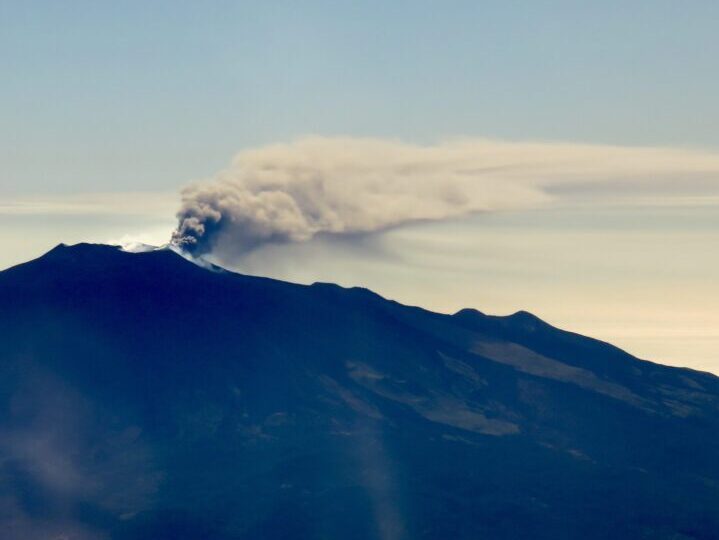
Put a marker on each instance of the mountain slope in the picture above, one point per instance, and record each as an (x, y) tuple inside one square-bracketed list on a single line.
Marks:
[(145, 397)]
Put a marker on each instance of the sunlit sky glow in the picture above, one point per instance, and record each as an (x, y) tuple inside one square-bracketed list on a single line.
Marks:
[(109, 109)]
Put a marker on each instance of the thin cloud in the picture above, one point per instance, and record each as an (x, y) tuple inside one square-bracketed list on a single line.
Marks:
[(149, 204)]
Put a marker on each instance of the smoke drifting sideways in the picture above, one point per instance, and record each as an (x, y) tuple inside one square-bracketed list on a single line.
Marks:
[(292, 192)]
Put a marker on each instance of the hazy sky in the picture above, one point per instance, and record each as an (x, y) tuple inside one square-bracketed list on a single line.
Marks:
[(108, 109)]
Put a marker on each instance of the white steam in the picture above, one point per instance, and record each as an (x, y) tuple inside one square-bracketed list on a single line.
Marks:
[(344, 186)]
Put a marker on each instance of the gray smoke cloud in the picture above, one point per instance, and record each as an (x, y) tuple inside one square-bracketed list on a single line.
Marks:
[(346, 186)]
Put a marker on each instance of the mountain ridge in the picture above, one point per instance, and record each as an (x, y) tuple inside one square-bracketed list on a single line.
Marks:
[(145, 397), (519, 317)]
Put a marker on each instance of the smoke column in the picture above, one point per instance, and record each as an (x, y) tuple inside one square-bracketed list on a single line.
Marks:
[(346, 186)]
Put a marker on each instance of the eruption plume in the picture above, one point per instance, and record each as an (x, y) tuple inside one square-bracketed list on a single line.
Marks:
[(345, 186)]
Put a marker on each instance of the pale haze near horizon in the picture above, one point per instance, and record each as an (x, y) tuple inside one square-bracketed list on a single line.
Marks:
[(108, 105)]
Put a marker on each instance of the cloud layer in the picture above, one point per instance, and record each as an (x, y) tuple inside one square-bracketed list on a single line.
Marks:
[(347, 186), (130, 204)]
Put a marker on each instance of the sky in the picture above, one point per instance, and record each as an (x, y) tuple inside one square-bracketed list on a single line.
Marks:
[(108, 110)]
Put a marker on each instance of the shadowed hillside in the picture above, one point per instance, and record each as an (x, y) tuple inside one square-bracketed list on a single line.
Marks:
[(143, 397)]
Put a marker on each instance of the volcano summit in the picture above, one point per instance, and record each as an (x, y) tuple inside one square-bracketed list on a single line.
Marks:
[(145, 397)]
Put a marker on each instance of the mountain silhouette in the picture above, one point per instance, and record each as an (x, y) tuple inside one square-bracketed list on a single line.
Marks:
[(144, 397)]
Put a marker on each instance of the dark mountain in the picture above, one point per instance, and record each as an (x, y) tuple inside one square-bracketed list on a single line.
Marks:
[(145, 397)]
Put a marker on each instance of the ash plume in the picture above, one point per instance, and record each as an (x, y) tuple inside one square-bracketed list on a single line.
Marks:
[(346, 186), (292, 192)]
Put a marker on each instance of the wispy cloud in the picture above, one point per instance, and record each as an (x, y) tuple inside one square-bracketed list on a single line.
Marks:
[(149, 204)]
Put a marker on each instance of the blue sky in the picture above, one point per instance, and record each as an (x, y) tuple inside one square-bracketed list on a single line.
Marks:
[(151, 94), (104, 104)]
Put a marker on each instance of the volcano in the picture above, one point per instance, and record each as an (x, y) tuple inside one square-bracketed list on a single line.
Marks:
[(144, 397)]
